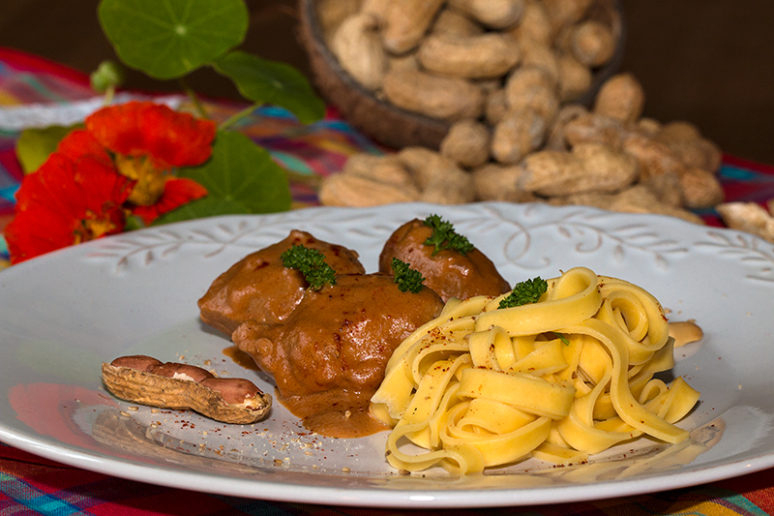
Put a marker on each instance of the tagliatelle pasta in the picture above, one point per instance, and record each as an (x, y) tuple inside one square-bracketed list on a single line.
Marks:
[(558, 379)]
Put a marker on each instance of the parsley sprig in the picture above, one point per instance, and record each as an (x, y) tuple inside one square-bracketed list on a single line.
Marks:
[(408, 279), (524, 293), (444, 236), (311, 263)]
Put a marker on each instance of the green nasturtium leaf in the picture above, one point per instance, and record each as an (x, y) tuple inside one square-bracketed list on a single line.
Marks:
[(270, 82), (34, 146), (167, 39), (206, 207), (240, 177)]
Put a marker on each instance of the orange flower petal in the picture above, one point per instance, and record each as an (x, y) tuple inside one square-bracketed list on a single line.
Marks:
[(80, 143), (169, 138), (177, 192), (54, 202)]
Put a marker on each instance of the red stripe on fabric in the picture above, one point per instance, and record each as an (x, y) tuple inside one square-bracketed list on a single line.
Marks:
[(756, 487), (169, 501), (10, 163), (24, 61), (15, 454), (748, 164)]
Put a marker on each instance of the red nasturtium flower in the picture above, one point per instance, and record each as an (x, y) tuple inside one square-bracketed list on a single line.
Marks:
[(149, 141), (65, 202), (124, 162)]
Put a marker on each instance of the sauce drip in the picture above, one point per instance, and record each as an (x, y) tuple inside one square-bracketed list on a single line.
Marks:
[(240, 358), (326, 415)]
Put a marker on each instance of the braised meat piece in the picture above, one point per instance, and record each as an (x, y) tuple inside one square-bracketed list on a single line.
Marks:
[(260, 288), (328, 357), (449, 272)]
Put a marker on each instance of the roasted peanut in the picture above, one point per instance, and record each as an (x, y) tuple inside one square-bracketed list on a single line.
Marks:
[(357, 46), (455, 24), (591, 167), (467, 143), (534, 24), (525, 79), (654, 157), (405, 62), (386, 169), (499, 183), (701, 189), (666, 187), (531, 87), (377, 8), (331, 13), (456, 187), (607, 169), (354, 190), (639, 199), (496, 106), (496, 14), (648, 126), (147, 381), (406, 21), (621, 97), (592, 43), (687, 143), (447, 98), (474, 57), (749, 217), (556, 138), (594, 128), (574, 78), (427, 166), (536, 54), (564, 13), (520, 132)]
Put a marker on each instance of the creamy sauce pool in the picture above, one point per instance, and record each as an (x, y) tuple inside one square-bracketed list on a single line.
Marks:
[(324, 413)]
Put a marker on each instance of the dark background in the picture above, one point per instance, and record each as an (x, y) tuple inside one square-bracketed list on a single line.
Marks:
[(710, 62)]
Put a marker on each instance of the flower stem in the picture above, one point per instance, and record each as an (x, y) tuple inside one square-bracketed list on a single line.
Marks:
[(197, 103), (236, 117), (109, 94)]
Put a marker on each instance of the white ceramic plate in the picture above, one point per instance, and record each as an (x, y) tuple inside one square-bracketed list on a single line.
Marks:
[(65, 313)]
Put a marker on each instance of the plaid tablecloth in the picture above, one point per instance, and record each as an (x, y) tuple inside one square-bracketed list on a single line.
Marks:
[(30, 484)]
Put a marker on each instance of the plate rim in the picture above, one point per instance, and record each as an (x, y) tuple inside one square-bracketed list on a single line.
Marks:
[(399, 498)]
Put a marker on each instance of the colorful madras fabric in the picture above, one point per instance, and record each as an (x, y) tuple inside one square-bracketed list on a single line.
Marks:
[(30, 484), (33, 485)]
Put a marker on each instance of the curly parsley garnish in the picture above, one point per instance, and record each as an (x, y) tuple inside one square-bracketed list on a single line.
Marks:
[(310, 263), (444, 236), (524, 293), (408, 279)]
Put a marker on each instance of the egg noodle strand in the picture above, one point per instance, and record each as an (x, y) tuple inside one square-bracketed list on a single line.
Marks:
[(559, 379)]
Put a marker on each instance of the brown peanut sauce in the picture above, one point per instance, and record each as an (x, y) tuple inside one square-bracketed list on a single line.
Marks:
[(326, 350), (240, 358), (322, 413)]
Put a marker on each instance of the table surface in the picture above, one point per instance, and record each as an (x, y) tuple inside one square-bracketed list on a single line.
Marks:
[(31, 484)]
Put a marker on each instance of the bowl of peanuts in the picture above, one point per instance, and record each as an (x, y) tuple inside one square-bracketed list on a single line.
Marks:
[(404, 71)]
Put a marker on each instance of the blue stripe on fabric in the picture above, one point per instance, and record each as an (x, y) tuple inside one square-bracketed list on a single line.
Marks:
[(276, 112), (738, 501), (9, 192), (28, 496), (256, 507), (740, 174)]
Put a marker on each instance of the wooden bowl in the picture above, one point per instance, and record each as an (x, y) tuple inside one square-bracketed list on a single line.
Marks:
[(393, 126)]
